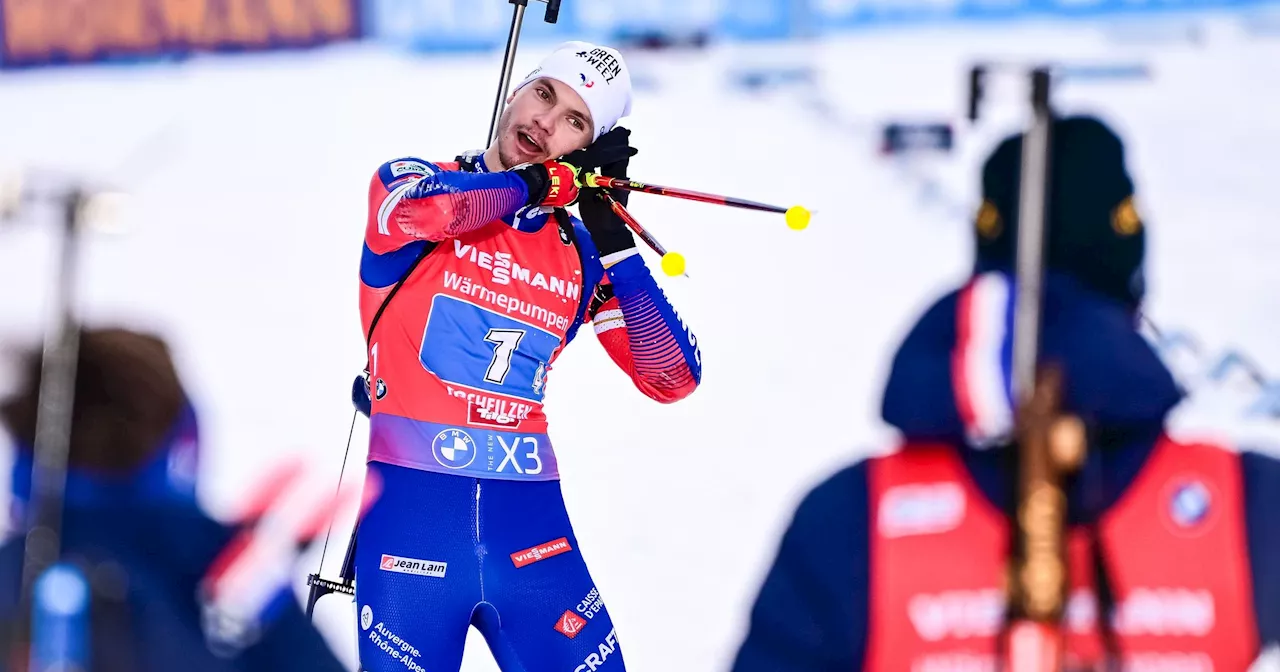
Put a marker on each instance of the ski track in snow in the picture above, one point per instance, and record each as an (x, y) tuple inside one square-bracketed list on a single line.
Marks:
[(249, 176)]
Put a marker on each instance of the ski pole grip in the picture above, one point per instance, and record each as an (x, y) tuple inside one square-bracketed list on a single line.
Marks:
[(553, 11)]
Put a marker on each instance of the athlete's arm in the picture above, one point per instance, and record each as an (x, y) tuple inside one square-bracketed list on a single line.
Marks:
[(642, 332), (811, 613), (1262, 502), (412, 200)]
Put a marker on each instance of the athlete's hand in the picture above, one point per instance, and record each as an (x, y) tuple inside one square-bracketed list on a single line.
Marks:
[(608, 155), (611, 153), (553, 184)]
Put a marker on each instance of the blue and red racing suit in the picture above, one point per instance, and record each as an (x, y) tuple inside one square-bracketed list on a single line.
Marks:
[(471, 528)]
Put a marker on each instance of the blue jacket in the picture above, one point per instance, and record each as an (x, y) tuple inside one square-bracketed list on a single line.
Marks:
[(164, 550), (812, 612)]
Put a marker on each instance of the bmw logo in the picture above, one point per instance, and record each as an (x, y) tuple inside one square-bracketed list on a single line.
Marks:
[(454, 448), (1190, 504), (382, 389)]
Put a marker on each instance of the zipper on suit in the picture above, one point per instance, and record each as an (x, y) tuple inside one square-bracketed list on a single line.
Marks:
[(479, 545)]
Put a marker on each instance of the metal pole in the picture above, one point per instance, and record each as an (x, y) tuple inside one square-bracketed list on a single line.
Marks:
[(1039, 572), (1032, 196), (53, 422), (508, 62), (53, 419)]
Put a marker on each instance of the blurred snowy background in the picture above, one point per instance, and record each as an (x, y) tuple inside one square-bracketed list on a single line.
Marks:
[(246, 175)]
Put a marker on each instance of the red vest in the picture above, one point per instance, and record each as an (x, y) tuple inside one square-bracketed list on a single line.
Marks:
[(1175, 546), (462, 354)]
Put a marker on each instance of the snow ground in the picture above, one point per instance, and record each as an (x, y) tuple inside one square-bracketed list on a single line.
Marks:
[(249, 175)]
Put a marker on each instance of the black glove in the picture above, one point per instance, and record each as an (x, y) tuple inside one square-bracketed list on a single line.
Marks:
[(609, 156)]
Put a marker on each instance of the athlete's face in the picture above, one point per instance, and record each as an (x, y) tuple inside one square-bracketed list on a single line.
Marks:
[(544, 120)]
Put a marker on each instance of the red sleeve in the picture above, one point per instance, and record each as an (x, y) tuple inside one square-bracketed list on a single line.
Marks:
[(411, 200), (646, 350)]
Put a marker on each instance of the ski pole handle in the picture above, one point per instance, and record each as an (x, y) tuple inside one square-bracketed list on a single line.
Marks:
[(797, 216), (593, 180)]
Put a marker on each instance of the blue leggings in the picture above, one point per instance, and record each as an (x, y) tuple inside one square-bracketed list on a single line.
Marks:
[(438, 553)]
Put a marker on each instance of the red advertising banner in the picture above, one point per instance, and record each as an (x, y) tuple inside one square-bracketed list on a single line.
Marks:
[(40, 32)]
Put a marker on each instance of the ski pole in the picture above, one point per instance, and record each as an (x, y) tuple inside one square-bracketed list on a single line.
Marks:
[(318, 585), (673, 263), (797, 216)]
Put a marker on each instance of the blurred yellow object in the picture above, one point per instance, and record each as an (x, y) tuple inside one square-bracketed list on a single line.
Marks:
[(673, 263), (798, 217)]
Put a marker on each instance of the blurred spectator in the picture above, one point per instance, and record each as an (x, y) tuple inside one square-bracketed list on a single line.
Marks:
[(133, 524), (898, 562)]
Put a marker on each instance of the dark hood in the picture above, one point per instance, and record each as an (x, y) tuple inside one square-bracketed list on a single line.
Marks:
[(954, 364)]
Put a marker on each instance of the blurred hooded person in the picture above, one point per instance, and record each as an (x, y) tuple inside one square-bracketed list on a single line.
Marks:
[(132, 524), (897, 562)]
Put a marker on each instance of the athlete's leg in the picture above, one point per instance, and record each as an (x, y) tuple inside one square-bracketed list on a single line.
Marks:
[(546, 613), (417, 575)]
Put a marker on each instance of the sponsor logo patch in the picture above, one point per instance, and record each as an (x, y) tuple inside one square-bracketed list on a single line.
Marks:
[(395, 563), (597, 658), (1190, 505), (541, 552), (931, 508), (454, 448), (497, 413), (399, 168), (591, 605), (569, 624)]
